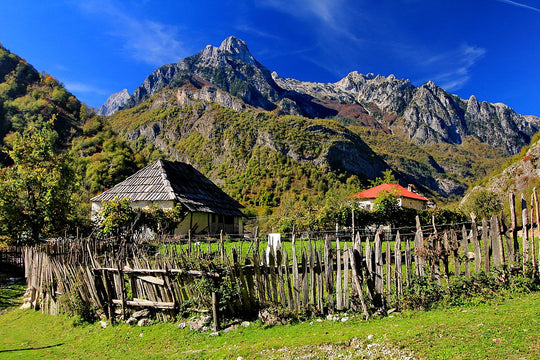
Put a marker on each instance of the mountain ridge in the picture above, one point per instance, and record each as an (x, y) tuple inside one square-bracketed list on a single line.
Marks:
[(426, 114)]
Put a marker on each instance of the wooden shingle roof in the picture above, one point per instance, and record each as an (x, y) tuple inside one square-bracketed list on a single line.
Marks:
[(165, 180)]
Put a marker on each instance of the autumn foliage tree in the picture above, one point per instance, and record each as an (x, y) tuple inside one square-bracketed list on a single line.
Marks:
[(35, 192)]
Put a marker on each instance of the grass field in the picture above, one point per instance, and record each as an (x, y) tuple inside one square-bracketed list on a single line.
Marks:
[(508, 329)]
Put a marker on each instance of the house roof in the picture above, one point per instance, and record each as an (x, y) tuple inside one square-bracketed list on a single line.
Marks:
[(165, 180), (396, 189)]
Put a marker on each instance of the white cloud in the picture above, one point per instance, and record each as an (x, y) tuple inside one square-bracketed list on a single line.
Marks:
[(452, 69), (145, 40), (518, 4), (78, 87)]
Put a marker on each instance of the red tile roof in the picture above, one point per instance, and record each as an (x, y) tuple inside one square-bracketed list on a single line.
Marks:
[(396, 189)]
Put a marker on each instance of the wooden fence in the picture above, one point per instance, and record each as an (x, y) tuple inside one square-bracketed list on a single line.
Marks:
[(325, 275), (12, 255)]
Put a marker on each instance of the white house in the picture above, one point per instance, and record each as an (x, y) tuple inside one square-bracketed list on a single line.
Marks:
[(167, 183), (406, 197)]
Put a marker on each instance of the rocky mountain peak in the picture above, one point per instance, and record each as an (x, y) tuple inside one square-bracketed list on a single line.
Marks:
[(237, 49), (114, 102)]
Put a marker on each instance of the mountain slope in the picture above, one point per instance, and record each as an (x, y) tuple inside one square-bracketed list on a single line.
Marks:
[(425, 115), (254, 154), (28, 96)]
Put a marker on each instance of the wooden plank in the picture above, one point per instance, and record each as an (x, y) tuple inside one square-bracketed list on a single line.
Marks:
[(476, 246), (328, 274), (513, 230), (408, 261), (339, 289), (495, 241), (357, 279), (537, 209), (296, 279), (305, 285), (398, 270), (152, 280), (273, 277), (248, 274), (319, 276), (419, 249), (534, 209), (388, 270), (379, 280), (346, 299), (465, 249), (525, 235), (289, 289), (446, 252), (486, 245), (281, 282), (313, 278), (500, 246), (146, 303), (455, 251), (261, 291)]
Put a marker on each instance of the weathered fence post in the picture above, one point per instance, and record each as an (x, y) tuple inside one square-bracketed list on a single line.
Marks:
[(465, 245), (215, 311), (379, 280), (419, 249), (513, 230), (339, 294), (329, 272), (476, 245), (398, 272), (525, 235), (534, 209), (357, 279)]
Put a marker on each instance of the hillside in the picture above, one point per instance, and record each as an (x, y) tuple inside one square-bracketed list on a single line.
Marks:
[(258, 157), (29, 96), (519, 175)]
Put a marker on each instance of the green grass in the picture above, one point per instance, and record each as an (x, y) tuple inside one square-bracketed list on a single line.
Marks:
[(506, 329), (11, 295)]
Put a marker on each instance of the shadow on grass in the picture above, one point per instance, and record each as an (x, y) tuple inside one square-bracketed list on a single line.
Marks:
[(36, 348), (11, 295)]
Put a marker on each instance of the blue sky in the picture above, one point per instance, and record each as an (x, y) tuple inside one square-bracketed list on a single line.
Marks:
[(486, 48)]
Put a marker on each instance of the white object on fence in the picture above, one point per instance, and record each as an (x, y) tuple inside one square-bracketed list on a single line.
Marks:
[(274, 243)]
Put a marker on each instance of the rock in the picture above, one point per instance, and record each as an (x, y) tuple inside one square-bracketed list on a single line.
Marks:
[(144, 322), (131, 320), (197, 324), (230, 328), (370, 337), (103, 324), (26, 305), (344, 319), (141, 314), (214, 334), (245, 324), (182, 325), (268, 317)]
